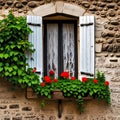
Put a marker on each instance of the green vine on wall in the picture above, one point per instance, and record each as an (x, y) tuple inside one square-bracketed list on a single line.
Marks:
[(13, 46)]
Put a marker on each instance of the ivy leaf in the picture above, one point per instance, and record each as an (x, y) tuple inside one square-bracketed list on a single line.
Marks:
[(6, 56), (19, 72), (46, 93), (94, 90), (15, 67), (1, 64), (6, 73), (1, 55), (15, 59), (12, 46), (79, 97), (91, 93), (19, 46), (29, 84), (14, 72), (10, 69), (1, 69)]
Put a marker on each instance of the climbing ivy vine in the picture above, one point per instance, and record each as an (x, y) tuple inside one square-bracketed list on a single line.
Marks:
[(13, 46)]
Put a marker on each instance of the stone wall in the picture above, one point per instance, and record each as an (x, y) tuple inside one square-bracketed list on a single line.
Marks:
[(13, 103)]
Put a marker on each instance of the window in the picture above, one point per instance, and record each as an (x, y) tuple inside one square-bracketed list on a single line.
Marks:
[(60, 47), (57, 47)]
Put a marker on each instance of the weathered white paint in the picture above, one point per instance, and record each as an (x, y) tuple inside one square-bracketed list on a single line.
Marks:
[(36, 39), (87, 57)]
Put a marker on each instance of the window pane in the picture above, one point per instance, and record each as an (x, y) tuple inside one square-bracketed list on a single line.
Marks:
[(68, 48), (52, 48)]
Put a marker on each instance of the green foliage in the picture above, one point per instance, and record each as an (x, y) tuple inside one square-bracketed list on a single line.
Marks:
[(96, 88), (13, 46)]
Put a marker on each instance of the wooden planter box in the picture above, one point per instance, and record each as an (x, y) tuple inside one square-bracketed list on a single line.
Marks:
[(57, 95)]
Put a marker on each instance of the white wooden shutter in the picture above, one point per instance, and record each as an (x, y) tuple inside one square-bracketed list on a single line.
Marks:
[(87, 38), (36, 59)]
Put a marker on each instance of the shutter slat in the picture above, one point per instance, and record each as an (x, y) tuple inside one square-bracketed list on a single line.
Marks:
[(35, 23), (87, 45)]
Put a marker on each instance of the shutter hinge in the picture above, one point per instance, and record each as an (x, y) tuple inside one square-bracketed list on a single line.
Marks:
[(89, 74), (34, 24), (86, 24)]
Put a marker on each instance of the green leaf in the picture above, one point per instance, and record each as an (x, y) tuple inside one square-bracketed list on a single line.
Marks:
[(1, 69), (10, 69), (79, 97), (6, 73), (15, 59), (12, 46), (49, 96), (6, 56), (1, 64), (14, 72), (46, 93), (29, 84), (20, 72), (19, 46), (91, 93), (95, 90), (15, 67)]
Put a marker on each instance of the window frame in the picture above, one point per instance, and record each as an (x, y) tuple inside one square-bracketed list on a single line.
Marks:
[(60, 42)]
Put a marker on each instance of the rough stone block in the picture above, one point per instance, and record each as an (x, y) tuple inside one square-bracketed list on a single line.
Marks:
[(59, 7), (98, 48), (3, 106), (14, 106), (44, 10), (73, 10), (27, 108)]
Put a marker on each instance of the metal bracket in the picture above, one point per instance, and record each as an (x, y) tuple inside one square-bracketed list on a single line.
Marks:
[(86, 24), (59, 108), (34, 24)]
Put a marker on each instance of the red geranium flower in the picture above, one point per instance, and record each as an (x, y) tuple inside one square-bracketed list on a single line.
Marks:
[(34, 70), (73, 78), (42, 84), (95, 81), (84, 79), (55, 80), (106, 83), (65, 74), (47, 79), (51, 72)]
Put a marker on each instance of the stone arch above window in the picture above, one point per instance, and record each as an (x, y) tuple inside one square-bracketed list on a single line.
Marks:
[(58, 7)]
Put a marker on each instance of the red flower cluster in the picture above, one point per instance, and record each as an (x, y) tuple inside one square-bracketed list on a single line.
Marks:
[(73, 78), (95, 81), (47, 79), (43, 84), (84, 79), (34, 70), (65, 74), (106, 83), (55, 80), (51, 72)]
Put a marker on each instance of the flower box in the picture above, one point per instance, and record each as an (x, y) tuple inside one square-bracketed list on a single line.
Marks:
[(57, 94)]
